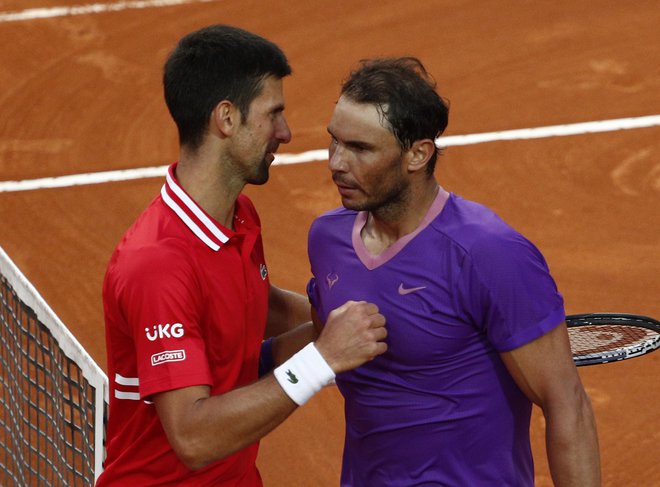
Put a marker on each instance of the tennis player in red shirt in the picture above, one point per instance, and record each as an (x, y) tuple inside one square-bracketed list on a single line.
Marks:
[(187, 296)]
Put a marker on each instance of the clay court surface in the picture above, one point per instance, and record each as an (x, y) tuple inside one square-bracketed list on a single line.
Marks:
[(82, 94)]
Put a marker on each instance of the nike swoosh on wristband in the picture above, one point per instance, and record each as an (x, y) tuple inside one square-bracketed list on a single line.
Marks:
[(404, 291)]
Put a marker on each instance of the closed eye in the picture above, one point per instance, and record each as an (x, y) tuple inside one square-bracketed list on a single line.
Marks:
[(277, 112), (358, 147), (352, 145)]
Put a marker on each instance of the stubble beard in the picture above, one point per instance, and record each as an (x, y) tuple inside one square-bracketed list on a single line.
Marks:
[(389, 204), (262, 175)]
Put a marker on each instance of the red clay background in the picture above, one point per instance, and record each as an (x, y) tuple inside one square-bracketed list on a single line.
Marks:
[(82, 94)]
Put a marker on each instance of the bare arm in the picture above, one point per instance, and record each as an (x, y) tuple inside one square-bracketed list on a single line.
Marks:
[(286, 344), (203, 428), (286, 310), (289, 323), (544, 371)]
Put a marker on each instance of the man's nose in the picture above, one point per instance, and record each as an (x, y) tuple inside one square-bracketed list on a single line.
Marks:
[(336, 159), (283, 133)]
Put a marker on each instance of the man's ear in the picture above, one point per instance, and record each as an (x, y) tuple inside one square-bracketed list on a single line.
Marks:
[(420, 153), (225, 117)]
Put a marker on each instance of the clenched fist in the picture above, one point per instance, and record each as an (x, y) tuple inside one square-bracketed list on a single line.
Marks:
[(352, 335)]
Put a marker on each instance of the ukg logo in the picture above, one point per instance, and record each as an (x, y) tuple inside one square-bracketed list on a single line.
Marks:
[(164, 331)]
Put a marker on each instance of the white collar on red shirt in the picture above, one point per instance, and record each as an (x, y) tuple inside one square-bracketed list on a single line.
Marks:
[(190, 213)]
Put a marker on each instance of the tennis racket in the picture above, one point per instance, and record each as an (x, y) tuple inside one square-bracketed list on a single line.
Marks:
[(599, 338)]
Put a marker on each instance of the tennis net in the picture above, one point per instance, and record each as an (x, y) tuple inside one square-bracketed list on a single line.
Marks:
[(53, 396)]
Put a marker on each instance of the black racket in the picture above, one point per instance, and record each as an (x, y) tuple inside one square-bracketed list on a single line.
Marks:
[(599, 338)]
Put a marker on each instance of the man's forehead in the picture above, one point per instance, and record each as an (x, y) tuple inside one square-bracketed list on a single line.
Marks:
[(359, 118)]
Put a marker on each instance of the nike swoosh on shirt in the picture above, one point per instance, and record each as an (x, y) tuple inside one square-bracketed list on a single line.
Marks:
[(404, 291)]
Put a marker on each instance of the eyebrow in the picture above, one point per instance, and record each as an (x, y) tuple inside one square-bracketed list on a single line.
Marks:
[(361, 144), (278, 108)]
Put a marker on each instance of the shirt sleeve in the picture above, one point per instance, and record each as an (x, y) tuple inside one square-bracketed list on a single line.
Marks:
[(312, 293), (161, 300), (507, 290)]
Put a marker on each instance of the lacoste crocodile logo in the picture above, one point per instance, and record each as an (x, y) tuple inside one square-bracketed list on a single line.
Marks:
[(291, 377), (407, 290)]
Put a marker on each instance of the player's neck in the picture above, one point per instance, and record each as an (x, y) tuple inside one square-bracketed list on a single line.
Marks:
[(388, 224), (213, 191)]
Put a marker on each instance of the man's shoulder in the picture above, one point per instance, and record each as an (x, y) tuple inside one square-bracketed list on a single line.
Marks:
[(150, 242), (472, 225)]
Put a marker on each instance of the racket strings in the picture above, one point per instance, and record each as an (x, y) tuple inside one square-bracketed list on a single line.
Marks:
[(593, 339)]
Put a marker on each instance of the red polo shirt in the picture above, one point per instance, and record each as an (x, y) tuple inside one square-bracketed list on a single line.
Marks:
[(185, 303)]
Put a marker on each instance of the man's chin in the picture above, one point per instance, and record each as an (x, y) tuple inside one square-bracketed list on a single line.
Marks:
[(350, 204), (259, 181), (262, 176)]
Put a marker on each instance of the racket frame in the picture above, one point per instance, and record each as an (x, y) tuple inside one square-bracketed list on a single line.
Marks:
[(622, 353)]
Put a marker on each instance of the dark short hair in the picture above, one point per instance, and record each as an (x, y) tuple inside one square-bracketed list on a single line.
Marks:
[(216, 63), (405, 95)]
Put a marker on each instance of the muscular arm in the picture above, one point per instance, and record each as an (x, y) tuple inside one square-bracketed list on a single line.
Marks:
[(289, 323), (203, 428), (286, 310), (544, 371), (285, 345)]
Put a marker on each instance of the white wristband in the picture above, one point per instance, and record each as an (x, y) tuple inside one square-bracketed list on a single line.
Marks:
[(304, 374)]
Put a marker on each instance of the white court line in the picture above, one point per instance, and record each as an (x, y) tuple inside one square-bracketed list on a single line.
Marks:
[(322, 154), (95, 8), (553, 131)]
